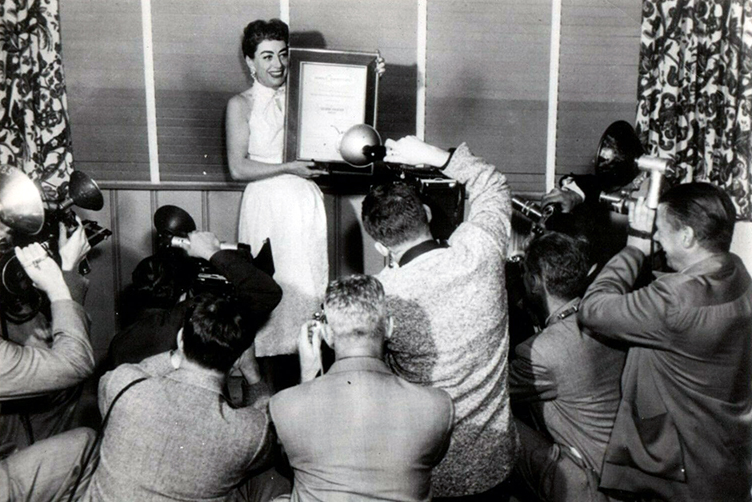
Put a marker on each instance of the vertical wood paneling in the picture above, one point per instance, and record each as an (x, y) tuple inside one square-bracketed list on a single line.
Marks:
[(598, 76), (487, 82), (100, 298), (224, 212), (368, 25), (104, 73), (134, 231), (198, 67)]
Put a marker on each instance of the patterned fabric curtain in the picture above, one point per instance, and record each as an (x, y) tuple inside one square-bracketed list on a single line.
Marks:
[(695, 91), (34, 125)]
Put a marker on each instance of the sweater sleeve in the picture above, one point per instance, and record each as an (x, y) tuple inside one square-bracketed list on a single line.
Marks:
[(487, 192)]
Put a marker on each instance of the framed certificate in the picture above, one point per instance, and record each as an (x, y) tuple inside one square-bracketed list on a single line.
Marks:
[(327, 93)]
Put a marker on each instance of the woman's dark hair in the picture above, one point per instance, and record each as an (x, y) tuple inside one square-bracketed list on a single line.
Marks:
[(260, 30), (704, 208)]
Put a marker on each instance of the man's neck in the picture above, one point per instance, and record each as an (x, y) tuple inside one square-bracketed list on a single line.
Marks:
[(187, 364), (398, 250), (692, 257), (354, 350)]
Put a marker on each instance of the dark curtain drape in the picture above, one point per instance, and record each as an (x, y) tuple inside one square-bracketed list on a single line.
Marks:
[(34, 125), (695, 91)]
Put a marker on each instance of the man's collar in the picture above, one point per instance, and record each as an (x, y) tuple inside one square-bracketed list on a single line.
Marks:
[(566, 310), (419, 249)]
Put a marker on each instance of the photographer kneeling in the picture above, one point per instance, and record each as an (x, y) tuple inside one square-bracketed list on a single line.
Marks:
[(43, 360)]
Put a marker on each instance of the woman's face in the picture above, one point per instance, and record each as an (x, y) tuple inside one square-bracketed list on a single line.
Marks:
[(269, 64)]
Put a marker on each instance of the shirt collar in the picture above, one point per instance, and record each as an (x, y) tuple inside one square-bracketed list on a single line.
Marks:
[(566, 310), (419, 249)]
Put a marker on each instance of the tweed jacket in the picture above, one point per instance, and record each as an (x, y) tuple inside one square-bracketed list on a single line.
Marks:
[(450, 330), (684, 425), (174, 436), (361, 433)]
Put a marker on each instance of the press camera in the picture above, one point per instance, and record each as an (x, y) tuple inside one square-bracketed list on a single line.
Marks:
[(30, 218)]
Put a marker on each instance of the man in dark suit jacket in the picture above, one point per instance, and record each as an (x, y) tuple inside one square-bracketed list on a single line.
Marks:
[(359, 432), (684, 426)]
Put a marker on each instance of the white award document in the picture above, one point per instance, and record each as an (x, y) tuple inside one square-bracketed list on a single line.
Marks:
[(332, 100)]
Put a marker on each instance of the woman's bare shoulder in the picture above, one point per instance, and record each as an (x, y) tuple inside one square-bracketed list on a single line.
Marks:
[(241, 103)]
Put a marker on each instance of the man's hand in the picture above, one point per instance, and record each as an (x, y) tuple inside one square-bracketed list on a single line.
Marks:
[(72, 249), (43, 271), (641, 219), (248, 366), (380, 66), (309, 350), (202, 245), (412, 151), (567, 198)]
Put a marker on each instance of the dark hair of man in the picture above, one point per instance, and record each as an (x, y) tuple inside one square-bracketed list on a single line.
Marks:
[(355, 307), (393, 213), (706, 209), (260, 30), (212, 332), (561, 261)]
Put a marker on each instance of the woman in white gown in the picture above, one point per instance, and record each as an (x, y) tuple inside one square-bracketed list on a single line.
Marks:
[(281, 202)]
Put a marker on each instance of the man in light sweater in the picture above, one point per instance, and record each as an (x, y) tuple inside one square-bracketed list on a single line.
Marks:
[(449, 306)]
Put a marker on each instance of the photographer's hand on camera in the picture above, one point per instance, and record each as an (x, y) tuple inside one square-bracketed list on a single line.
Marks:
[(412, 151), (73, 248), (309, 350), (567, 198), (641, 223), (43, 271), (202, 245)]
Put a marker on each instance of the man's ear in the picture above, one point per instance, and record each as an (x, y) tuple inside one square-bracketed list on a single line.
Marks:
[(180, 339), (533, 283), (382, 249), (327, 335), (429, 214), (688, 237)]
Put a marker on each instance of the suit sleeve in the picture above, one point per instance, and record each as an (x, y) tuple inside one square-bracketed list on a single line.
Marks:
[(639, 317), (530, 379), (256, 290), (29, 370)]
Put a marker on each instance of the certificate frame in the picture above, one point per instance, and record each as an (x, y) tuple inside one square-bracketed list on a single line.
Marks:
[(328, 91)]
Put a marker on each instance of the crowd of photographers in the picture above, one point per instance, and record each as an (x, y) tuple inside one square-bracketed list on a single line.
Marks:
[(627, 391)]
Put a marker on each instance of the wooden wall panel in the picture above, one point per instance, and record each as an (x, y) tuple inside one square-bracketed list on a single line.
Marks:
[(368, 25), (104, 72), (600, 46), (223, 214), (198, 66), (487, 82), (100, 300)]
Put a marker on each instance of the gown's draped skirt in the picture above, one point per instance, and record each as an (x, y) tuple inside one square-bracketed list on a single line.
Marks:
[(288, 210)]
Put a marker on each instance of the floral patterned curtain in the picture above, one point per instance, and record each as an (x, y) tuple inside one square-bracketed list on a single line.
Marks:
[(695, 91), (34, 125)]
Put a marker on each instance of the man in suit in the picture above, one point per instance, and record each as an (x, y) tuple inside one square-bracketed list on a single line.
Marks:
[(684, 426), (570, 380), (171, 432), (450, 308), (45, 359), (359, 432)]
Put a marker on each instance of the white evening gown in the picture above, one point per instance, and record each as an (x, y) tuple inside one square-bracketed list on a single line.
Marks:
[(288, 210)]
